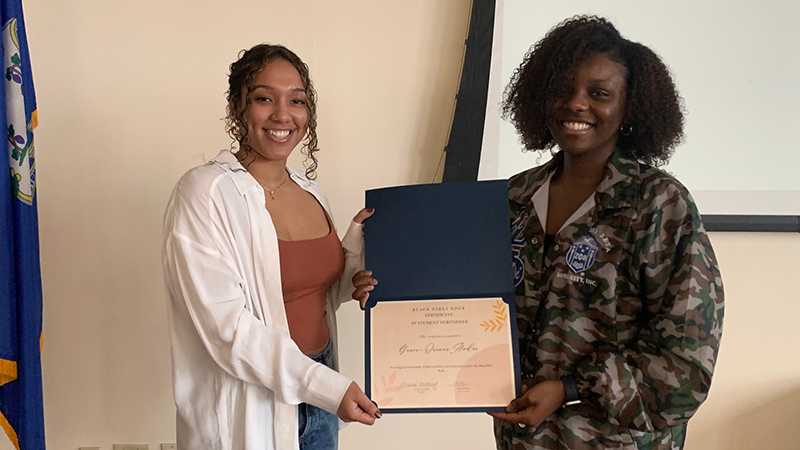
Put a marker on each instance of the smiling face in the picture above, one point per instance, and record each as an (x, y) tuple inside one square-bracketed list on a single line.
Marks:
[(586, 120), (277, 117)]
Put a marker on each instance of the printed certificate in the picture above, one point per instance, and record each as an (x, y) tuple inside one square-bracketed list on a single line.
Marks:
[(440, 324), (441, 355)]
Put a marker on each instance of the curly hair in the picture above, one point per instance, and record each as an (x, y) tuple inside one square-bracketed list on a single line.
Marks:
[(240, 86), (653, 111)]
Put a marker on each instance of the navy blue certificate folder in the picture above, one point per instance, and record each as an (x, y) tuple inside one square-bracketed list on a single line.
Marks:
[(440, 241), (444, 240)]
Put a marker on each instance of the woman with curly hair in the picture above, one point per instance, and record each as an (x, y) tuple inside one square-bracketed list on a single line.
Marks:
[(252, 264), (619, 298)]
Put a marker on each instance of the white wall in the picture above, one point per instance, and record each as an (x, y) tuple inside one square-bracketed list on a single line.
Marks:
[(755, 395), (131, 95)]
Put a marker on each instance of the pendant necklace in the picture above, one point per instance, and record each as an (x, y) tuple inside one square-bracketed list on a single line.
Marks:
[(272, 191)]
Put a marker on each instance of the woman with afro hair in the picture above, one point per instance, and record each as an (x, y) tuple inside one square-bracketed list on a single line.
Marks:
[(619, 298)]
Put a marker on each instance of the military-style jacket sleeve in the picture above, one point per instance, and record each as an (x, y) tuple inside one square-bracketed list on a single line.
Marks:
[(662, 377)]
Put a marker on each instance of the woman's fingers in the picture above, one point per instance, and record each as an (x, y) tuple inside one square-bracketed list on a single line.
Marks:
[(363, 215), (535, 405), (369, 410), (362, 291), (364, 278), (531, 417), (357, 407), (363, 301), (519, 404), (363, 284)]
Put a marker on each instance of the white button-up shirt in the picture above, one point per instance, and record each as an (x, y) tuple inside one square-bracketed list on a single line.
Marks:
[(237, 374)]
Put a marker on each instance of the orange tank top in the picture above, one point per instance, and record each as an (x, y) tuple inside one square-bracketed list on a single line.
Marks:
[(308, 270)]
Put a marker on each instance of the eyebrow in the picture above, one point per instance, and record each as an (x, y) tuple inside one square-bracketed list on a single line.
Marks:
[(264, 86)]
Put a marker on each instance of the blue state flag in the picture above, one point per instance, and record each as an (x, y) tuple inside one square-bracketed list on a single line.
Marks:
[(21, 408)]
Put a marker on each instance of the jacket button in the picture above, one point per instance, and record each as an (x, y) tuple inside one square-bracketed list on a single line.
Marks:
[(556, 247), (534, 241)]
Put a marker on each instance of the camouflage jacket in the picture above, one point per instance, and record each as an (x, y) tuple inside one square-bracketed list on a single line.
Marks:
[(628, 302)]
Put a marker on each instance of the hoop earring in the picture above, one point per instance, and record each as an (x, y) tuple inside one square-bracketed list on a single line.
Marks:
[(626, 130)]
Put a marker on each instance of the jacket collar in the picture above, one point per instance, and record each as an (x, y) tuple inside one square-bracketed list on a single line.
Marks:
[(620, 187), (243, 180)]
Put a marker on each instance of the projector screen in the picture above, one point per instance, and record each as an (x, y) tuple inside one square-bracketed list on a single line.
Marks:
[(737, 67)]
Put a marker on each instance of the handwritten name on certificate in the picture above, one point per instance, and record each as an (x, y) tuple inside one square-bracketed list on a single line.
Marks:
[(441, 354)]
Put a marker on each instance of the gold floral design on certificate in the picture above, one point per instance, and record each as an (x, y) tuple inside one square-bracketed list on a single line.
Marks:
[(500, 318)]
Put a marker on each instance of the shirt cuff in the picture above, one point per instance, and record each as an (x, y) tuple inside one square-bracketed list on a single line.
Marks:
[(327, 388), (353, 240)]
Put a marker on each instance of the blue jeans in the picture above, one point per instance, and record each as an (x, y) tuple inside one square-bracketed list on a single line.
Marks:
[(319, 429)]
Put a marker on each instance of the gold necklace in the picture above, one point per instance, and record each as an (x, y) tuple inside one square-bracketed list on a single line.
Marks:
[(272, 191)]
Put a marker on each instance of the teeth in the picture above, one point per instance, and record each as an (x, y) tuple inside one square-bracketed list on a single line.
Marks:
[(576, 126), (280, 134)]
